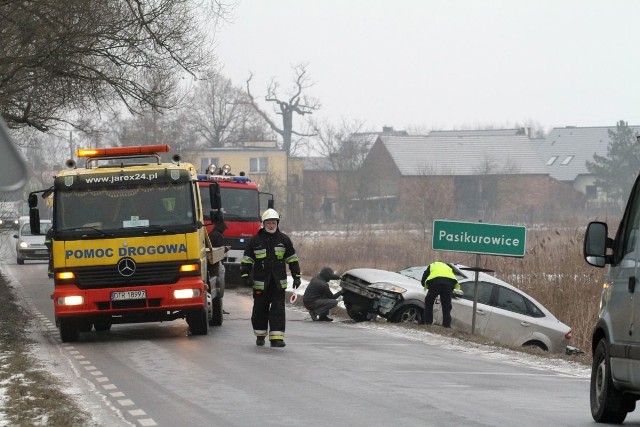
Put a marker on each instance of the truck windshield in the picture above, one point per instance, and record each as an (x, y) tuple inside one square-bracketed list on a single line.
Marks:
[(238, 204), (123, 210)]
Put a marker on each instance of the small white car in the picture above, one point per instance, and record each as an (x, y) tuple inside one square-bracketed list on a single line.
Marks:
[(28, 246), (503, 312)]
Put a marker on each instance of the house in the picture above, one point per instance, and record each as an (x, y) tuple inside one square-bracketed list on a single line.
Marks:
[(492, 177), (566, 150)]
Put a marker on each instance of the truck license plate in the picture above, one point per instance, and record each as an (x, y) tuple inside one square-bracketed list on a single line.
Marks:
[(126, 295)]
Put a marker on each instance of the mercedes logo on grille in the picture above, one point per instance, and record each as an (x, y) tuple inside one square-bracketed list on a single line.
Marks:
[(126, 267)]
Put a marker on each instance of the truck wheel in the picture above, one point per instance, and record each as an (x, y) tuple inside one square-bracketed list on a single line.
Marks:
[(197, 321), (102, 326), (85, 326), (216, 319), (607, 403), (68, 330)]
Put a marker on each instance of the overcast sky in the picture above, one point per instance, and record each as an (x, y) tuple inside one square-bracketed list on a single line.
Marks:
[(449, 64)]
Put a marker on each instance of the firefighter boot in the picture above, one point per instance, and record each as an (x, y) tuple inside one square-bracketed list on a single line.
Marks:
[(277, 343), (260, 341)]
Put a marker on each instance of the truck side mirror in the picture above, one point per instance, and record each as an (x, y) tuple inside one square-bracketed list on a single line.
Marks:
[(596, 243), (34, 221), (33, 200), (214, 196)]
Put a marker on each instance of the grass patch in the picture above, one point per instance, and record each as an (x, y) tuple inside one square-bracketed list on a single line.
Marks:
[(31, 396)]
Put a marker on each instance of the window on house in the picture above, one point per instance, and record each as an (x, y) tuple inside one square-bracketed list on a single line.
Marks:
[(206, 161), (552, 160), (567, 160), (258, 165)]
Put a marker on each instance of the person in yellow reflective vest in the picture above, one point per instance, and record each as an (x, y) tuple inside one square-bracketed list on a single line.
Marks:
[(439, 280)]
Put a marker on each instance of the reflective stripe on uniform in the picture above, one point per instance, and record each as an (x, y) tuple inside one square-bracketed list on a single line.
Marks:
[(259, 286), (260, 332), (292, 258), (276, 335), (284, 284), (247, 260), (260, 253)]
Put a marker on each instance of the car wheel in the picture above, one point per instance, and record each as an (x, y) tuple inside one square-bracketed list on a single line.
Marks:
[(197, 321), (68, 330), (409, 314), (535, 345), (20, 261), (356, 314), (607, 403)]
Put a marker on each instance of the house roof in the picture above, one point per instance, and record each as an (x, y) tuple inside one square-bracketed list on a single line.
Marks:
[(479, 132), (469, 155), (572, 147)]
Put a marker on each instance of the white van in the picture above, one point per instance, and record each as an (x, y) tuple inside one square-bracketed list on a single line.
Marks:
[(615, 373)]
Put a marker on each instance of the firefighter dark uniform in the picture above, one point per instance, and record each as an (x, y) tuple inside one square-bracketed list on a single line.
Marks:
[(439, 280), (267, 255)]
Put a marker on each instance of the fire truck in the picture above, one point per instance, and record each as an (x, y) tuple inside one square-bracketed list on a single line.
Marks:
[(243, 204), (129, 242)]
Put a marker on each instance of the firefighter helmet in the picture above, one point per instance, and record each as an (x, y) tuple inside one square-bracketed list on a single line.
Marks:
[(270, 214)]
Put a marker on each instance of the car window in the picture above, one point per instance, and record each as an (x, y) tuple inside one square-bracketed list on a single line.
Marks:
[(484, 291), (510, 300), (26, 229), (533, 310)]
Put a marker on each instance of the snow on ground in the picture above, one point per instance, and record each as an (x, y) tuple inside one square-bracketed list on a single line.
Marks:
[(561, 366)]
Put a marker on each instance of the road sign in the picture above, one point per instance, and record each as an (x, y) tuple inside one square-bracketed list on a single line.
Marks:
[(479, 238)]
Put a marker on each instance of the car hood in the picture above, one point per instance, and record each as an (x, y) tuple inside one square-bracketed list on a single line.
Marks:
[(372, 275), (33, 240)]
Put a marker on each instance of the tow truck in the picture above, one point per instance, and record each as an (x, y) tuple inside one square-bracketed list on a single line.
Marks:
[(129, 242)]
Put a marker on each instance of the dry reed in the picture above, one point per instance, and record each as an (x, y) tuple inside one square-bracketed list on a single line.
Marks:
[(552, 270)]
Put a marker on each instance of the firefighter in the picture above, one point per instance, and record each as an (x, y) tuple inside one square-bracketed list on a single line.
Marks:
[(439, 280), (266, 257)]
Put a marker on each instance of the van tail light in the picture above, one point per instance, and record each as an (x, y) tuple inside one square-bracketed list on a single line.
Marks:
[(568, 335)]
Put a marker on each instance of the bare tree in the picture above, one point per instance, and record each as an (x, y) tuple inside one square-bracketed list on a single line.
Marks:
[(221, 113), (296, 102), (60, 56), (345, 147)]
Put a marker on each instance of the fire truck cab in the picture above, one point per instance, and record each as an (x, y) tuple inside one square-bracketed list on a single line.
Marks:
[(242, 206)]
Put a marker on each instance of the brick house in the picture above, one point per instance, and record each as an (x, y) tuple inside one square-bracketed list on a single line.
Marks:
[(471, 177)]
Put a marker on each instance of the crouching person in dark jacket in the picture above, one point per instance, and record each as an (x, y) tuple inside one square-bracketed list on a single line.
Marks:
[(318, 298)]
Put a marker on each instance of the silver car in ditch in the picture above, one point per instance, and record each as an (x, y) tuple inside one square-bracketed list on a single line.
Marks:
[(503, 313)]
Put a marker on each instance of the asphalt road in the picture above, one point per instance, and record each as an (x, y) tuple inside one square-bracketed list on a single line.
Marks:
[(338, 373)]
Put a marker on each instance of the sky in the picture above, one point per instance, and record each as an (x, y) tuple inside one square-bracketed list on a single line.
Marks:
[(445, 64)]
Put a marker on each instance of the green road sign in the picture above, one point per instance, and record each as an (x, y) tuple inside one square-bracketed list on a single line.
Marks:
[(479, 238)]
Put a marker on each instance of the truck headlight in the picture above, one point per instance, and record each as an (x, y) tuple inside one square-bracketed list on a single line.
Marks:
[(186, 293), (71, 300)]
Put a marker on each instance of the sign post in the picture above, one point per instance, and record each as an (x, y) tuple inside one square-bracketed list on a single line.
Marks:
[(478, 238)]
